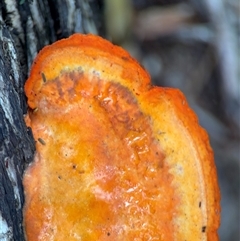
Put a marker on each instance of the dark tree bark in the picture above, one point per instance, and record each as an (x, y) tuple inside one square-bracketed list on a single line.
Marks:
[(16, 144), (25, 27)]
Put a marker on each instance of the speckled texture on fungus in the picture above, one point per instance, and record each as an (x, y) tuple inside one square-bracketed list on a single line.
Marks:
[(116, 159)]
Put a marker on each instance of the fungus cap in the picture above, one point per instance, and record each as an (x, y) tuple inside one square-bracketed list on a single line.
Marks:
[(116, 158)]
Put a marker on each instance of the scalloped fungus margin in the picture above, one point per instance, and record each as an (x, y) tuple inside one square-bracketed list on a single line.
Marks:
[(116, 158)]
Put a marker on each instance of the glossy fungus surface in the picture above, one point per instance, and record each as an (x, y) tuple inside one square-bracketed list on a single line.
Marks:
[(116, 158)]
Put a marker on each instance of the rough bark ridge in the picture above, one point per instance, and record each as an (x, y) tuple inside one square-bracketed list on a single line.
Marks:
[(16, 146), (25, 27)]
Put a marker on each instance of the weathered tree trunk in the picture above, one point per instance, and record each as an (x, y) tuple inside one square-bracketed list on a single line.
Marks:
[(16, 145), (25, 27)]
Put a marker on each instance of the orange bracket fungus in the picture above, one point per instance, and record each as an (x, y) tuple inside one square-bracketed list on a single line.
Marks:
[(116, 158)]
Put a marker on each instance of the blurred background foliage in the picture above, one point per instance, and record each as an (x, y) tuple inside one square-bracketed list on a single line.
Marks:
[(194, 46)]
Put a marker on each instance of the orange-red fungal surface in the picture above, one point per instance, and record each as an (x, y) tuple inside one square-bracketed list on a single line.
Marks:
[(116, 158)]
